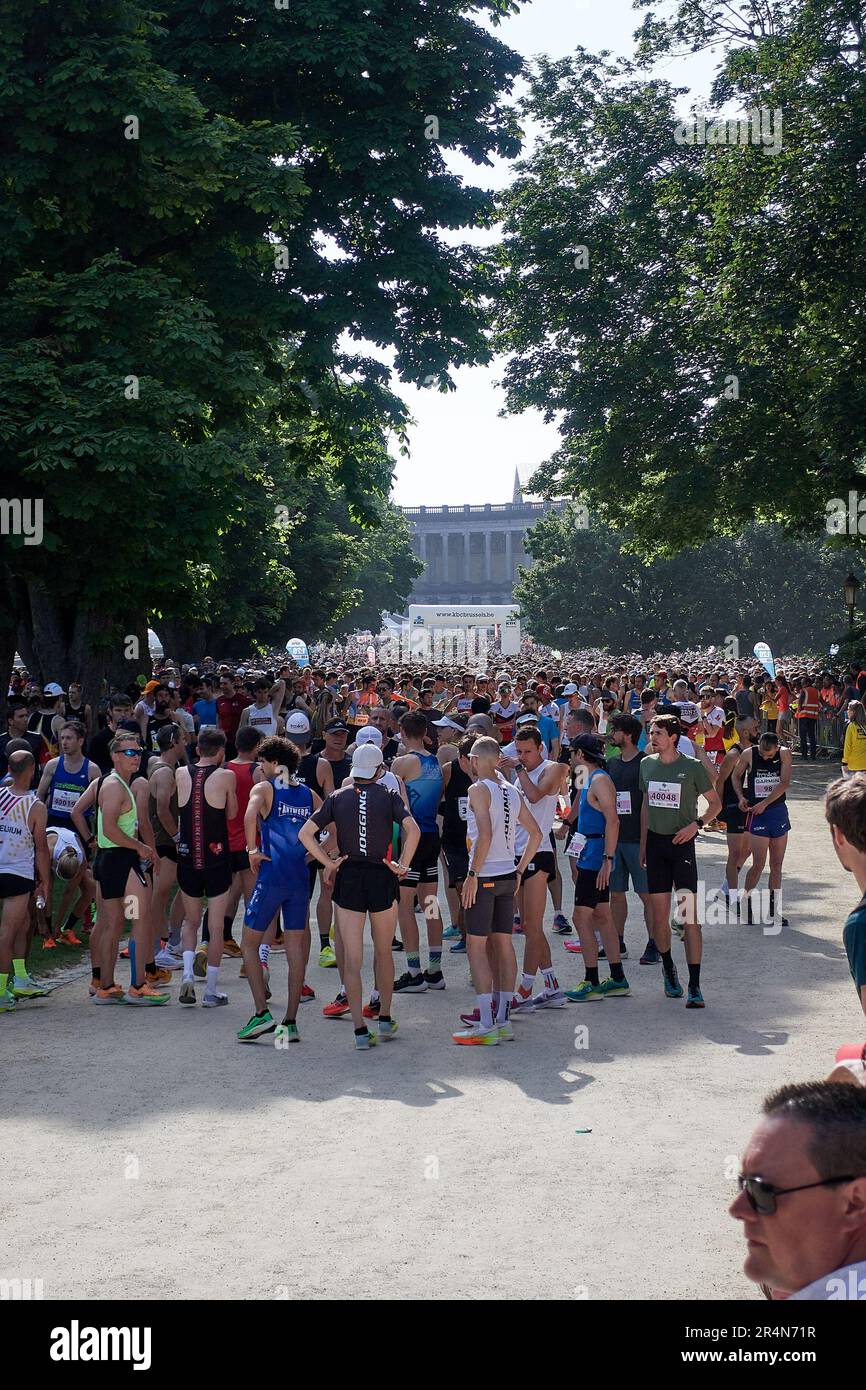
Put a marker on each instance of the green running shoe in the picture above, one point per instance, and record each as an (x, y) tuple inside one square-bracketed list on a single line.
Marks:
[(8, 1003), (258, 1024), (387, 1027), (23, 987), (585, 992), (673, 988), (364, 1041), (695, 999), (286, 1033), (614, 989)]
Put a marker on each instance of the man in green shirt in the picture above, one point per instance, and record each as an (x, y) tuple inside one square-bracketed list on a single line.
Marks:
[(845, 809), (669, 823)]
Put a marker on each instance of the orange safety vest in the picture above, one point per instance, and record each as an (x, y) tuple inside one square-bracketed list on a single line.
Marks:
[(811, 706)]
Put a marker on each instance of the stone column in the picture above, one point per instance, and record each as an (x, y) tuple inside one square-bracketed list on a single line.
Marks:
[(488, 557), (509, 558)]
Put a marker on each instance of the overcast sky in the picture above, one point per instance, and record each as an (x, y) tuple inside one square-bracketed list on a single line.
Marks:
[(461, 450)]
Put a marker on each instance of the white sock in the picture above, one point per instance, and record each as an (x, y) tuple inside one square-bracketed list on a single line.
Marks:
[(526, 982), (188, 958), (264, 953), (485, 1008), (550, 980), (213, 972), (503, 1002)]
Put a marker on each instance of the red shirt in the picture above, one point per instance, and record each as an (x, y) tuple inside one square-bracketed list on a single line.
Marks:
[(244, 777), (229, 708)]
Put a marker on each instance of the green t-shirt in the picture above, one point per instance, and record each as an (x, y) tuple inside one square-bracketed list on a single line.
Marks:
[(672, 791), (854, 937)]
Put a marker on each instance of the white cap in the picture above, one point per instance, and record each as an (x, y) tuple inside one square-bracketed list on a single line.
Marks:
[(52, 688), (570, 689), (298, 726), (366, 760), (369, 734)]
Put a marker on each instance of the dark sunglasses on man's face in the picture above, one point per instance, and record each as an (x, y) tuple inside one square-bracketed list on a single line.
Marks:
[(129, 752), (762, 1195)]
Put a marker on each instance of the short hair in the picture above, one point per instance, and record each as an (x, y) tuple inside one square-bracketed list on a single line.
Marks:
[(13, 706), (845, 807), (67, 862), (647, 696), (167, 736), (123, 736), (262, 683), (248, 738), (528, 735), (836, 1114), (413, 724), (76, 726), (669, 723), (627, 724), (768, 738), (485, 747), (584, 718), (467, 743), (280, 750), (480, 705), (22, 755), (210, 739), (120, 702)]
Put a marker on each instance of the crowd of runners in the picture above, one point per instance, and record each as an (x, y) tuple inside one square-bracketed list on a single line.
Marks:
[(341, 792)]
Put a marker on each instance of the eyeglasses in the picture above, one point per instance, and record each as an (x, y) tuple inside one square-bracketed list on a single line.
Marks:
[(762, 1195), (129, 752)]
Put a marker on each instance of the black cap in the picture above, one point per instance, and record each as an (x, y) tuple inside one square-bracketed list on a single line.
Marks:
[(336, 726), (590, 744)]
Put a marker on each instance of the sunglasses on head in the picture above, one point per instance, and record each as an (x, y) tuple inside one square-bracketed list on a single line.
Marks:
[(762, 1195)]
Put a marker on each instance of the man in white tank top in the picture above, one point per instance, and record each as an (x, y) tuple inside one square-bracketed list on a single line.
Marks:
[(260, 714), (494, 812), (540, 783), (25, 868)]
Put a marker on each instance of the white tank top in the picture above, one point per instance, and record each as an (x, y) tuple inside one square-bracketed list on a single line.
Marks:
[(543, 812), (262, 719), (66, 839), (504, 811), (17, 854)]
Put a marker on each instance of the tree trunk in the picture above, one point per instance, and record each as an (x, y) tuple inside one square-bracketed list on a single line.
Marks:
[(182, 641), (66, 643), (8, 631)]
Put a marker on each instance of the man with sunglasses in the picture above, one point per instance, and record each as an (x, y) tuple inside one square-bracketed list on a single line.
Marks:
[(802, 1198)]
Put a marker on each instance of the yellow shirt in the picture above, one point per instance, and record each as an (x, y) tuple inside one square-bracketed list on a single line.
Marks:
[(854, 755)]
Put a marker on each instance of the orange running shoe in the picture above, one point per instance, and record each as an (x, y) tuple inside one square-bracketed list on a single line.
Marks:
[(48, 943), (160, 976), (145, 994), (70, 938), (231, 948), (112, 995)]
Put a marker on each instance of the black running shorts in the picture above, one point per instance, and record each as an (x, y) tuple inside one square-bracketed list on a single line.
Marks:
[(167, 852), (210, 882), (456, 861), (240, 860), (362, 887), (670, 866), (13, 886), (586, 892), (425, 861), (543, 862), (733, 819), (493, 909), (112, 868)]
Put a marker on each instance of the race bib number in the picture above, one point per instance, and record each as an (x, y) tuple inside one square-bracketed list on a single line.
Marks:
[(666, 794), (63, 800), (765, 785), (462, 806), (623, 803), (576, 845)]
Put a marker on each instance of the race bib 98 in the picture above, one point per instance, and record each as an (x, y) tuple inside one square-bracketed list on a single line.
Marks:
[(665, 794), (765, 785)]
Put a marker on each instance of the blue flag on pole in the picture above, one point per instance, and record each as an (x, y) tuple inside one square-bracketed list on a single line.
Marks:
[(765, 656)]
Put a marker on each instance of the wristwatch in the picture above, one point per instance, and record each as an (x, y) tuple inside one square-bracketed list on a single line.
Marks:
[(611, 857), (470, 873)]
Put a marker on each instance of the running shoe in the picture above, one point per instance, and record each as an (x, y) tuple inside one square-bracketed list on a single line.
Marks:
[(450, 932), (327, 958), (144, 994), (256, 1026), (24, 987), (435, 979), (561, 924), (651, 954), (549, 999), (585, 993), (92, 987), (506, 1032), (623, 949), (673, 988), (338, 1008), (167, 960), (213, 1001), (159, 976), (231, 948), (522, 1003), (458, 947), (517, 926), (307, 994), (411, 984), (364, 1041), (694, 999), (70, 938), (187, 992), (473, 1017), (199, 965), (396, 944), (387, 1027), (370, 1010), (614, 989), (124, 955), (477, 1036), (286, 1033), (48, 943), (8, 1003), (574, 947), (112, 995)]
